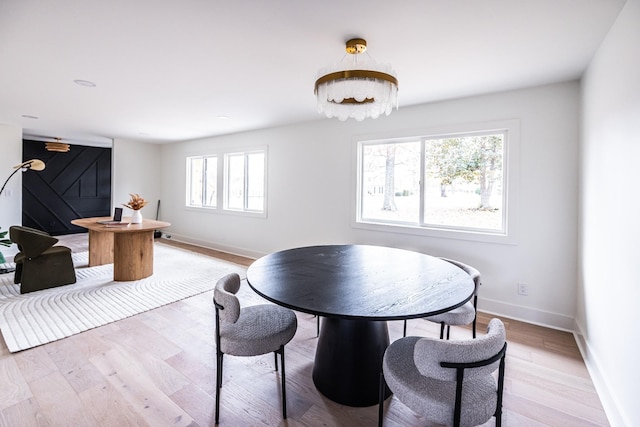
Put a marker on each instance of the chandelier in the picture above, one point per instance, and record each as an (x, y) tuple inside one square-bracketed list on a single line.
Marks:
[(357, 86), (57, 146)]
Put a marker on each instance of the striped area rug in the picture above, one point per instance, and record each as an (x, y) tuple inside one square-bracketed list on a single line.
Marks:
[(40, 317)]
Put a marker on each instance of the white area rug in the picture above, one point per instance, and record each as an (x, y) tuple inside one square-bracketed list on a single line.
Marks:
[(40, 317)]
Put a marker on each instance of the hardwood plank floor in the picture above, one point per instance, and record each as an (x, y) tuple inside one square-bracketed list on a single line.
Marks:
[(158, 368)]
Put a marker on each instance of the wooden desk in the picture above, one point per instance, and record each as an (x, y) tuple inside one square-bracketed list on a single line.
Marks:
[(129, 248), (356, 288)]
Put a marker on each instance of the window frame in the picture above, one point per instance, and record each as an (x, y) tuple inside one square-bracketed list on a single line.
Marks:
[(511, 147), (189, 179), (245, 154), (222, 181)]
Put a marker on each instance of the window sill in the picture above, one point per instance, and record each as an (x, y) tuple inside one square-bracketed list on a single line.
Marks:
[(476, 236), (218, 211)]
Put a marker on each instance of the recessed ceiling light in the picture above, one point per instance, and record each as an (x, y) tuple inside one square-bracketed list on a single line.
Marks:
[(86, 83), (28, 116), (222, 117)]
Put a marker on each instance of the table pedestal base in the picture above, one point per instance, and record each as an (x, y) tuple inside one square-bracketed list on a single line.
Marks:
[(349, 360), (132, 256)]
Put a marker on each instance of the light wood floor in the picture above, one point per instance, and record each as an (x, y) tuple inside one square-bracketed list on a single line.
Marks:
[(158, 369)]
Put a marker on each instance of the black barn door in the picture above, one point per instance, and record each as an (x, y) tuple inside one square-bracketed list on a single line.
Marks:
[(75, 184)]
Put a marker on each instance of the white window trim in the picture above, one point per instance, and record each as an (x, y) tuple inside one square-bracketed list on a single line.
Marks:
[(220, 209), (511, 165), (187, 185), (245, 191)]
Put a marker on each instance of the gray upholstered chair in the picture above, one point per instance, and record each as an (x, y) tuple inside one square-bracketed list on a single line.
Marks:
[(40, 264), (448, 382), (463, 315), (249, 331)]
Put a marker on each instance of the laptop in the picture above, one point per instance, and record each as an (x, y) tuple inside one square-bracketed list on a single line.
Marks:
[(117, 218)]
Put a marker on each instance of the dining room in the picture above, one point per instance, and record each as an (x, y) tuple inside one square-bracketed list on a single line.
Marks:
[(553, 269)]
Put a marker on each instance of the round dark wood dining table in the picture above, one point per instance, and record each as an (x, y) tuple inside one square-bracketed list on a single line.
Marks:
[(356, 289)]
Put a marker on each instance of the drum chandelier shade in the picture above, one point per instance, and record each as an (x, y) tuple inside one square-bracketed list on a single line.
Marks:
[(356, 87), (57, 146)]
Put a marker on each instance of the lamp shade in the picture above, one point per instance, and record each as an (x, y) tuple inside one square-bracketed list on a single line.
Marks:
[(33, 164)]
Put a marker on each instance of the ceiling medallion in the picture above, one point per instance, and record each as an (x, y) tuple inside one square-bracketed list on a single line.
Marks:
[(57, 146), (357, 87)]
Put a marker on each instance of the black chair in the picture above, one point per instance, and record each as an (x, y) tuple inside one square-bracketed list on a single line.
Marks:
[(39, 264), (448, 382), (249, 331)]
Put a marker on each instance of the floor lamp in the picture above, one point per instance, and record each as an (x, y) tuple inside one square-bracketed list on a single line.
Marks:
[(33, 164)]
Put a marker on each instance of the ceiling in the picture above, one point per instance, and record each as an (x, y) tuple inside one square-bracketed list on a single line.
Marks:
[(169, 70)]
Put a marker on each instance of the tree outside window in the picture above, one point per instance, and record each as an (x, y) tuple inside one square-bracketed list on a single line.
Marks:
[(453, 181)]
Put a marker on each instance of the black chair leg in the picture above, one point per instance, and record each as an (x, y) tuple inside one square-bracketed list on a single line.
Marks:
[(474, 327), (448, 331), (475, 317), (380, 399), (284, 388), (275, 357), (218, 384), (318, 326), (404, 332), (498, 413), (441, 330)]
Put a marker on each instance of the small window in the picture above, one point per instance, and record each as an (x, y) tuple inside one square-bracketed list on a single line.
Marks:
[(245, 181), (447, 182), (202, 181), (241, 188)]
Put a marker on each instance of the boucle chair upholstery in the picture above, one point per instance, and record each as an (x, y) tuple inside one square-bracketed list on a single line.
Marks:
[(462, 315), (249, 331), (40, 264), (448, 382)]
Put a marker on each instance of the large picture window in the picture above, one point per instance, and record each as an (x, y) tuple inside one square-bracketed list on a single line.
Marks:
[(446, 181), (234, 181)]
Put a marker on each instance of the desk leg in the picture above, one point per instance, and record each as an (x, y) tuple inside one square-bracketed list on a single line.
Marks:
[(100, 248), (132, 255), (349, 360)]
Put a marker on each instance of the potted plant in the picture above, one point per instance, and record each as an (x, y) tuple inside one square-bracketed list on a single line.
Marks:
[(33, 164), (136, 203), (4, 242)]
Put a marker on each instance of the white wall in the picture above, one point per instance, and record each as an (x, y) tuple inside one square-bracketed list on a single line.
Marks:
[(11, 198), (609, 284), (136, 169), (310, 170)]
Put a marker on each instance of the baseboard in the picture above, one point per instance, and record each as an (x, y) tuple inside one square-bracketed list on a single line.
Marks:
[(216, 246), (527, 314), (605, 391), (499, 308)]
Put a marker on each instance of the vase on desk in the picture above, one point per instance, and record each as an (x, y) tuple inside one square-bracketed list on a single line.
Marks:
[(136, 217)]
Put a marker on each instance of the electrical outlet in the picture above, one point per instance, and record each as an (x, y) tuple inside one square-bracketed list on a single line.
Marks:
[(523, 289)]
